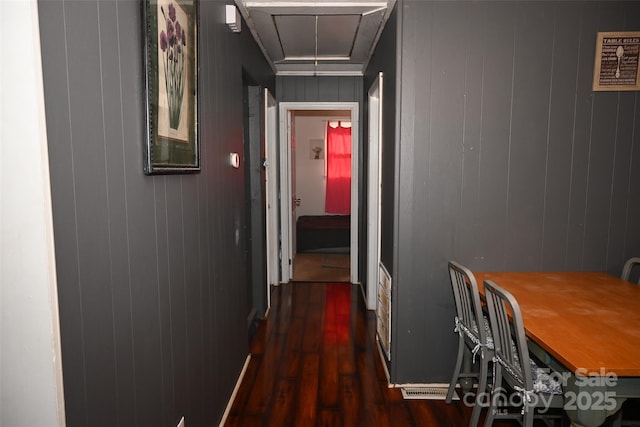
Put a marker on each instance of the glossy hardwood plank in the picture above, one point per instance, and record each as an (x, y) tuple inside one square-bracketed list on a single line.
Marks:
[(308, 392)]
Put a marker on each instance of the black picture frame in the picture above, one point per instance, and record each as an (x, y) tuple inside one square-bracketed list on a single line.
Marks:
[(171, 29)]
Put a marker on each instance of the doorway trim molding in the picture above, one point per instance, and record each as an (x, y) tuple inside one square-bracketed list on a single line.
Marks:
[(285, 109), (374, 180)]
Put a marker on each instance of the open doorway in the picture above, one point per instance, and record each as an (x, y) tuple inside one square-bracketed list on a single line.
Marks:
[(316, 234), (260, 153), (255, 180)]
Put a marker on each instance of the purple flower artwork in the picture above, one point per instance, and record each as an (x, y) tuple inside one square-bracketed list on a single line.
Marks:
[(171, 86), (172, 42)]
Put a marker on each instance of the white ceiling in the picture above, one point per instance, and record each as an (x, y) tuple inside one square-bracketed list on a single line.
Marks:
[(316, 37)]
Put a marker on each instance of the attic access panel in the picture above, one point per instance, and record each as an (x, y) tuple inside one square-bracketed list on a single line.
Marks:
[(336, 36), (286, 33)]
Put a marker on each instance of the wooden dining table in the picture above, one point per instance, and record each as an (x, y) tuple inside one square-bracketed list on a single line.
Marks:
[(586, 327)]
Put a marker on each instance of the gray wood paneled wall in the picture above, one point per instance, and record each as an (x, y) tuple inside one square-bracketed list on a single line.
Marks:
[(319, 88), (507, 159), (152, 279)]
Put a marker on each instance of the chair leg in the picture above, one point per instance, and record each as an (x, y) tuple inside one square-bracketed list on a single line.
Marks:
[(497, 381), (482, 387), (617, 419), (528, 418), (456, 370)]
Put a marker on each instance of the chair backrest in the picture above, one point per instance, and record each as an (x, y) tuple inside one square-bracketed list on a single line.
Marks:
[(628, 266), (509, 340), (467, 298)]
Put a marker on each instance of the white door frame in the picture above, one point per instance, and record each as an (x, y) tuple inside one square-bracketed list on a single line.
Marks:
[(374, 183), (271, 188), (285, 181)]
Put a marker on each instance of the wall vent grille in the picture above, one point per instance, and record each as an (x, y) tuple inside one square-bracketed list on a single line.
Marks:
[(430, 393)]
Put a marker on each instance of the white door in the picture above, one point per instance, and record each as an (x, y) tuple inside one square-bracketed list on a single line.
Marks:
[(271, 194), (287, 193), (374, 180), (295, 200)]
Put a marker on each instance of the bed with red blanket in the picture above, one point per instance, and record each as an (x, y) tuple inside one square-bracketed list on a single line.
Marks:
[(318, 233)]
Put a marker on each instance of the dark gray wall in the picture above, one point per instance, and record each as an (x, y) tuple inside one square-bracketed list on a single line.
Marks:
[(507, 159), (152, 282), (319, 89)]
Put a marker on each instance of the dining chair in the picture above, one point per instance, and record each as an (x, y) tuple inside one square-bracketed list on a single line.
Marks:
[(474, 334), (628, 267), (619, 419), (528, 385)]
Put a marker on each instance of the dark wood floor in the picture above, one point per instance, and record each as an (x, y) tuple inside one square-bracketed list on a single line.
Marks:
[(314, 363), (321, 267)]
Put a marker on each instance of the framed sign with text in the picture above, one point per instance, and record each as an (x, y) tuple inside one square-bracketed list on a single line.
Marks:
[(617, 61)]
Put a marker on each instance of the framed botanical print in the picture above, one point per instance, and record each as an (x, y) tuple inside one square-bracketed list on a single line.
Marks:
[(171, 58)]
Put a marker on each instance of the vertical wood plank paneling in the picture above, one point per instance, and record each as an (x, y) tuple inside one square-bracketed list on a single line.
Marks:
[(149, 285), (175, 261), (465, 239), (329, 89), (319, 89), (86, 110), (601, 160), (195, 402), (140, 228), (442, 107), (347, 88), (117, 215), (311, 90), (632, 229), (528, 134), (499, 31), (443, 156), (164, 303), (208, 266), (620, 183), (581, 136), (560, 133), (599, 180), (406, 297), (299, 84)]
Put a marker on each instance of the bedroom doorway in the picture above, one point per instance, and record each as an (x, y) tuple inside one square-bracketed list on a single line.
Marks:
[(328, 242)]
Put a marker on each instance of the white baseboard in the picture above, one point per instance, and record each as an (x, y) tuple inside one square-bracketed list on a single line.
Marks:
[(235, 391), (383, 360)]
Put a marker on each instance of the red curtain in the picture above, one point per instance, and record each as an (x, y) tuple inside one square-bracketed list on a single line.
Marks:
[(338, 190)]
